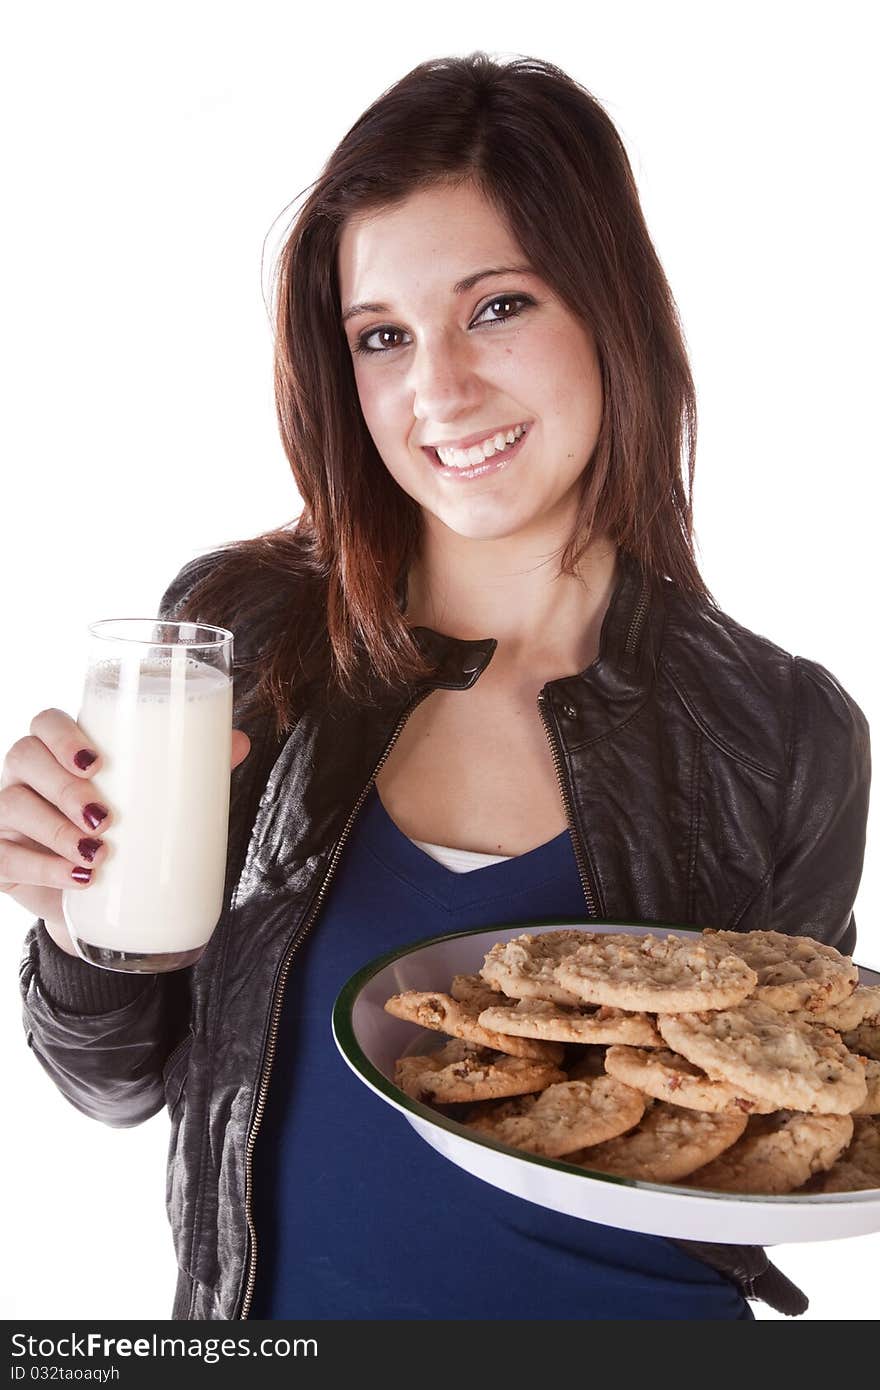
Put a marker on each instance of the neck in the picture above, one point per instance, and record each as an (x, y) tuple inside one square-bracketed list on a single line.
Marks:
[(502, 589)]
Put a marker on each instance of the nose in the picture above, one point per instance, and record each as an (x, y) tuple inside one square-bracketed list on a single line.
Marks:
[(443, 380)]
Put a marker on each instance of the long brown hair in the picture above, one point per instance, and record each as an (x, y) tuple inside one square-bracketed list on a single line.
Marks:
[(543, 151)]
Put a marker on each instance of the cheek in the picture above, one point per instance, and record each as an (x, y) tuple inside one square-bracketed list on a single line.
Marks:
[(390, 427), (372, 400), (388, 424), (569, 374), (554, 362)]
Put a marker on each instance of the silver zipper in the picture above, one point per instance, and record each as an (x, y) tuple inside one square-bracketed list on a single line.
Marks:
[(566, 801), (637, 620), (269, 1059), (263, 1089)]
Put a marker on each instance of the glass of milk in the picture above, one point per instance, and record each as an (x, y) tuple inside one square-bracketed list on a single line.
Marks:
[(157, 706)]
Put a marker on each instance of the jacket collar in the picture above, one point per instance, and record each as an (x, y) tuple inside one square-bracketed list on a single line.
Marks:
[(335, 750), (629, 642)]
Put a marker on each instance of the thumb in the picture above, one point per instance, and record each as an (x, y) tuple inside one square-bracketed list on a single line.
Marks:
[(241, 746)]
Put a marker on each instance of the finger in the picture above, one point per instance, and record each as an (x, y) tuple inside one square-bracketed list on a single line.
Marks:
[(21, 867), (23, 812), (30, 762), (241, 746), (67, 742)]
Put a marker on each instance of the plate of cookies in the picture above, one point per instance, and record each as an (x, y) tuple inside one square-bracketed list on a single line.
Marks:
[(699, 1084)]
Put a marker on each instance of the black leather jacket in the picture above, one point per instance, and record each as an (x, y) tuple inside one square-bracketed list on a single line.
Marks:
[(709, 777)]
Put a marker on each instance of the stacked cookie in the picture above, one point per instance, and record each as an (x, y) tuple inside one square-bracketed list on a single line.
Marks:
[(724, 1061)]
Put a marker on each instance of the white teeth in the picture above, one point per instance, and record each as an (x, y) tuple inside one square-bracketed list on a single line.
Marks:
[(478, 453)]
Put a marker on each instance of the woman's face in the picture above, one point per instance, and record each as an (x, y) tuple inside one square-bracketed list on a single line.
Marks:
[(451, 361)]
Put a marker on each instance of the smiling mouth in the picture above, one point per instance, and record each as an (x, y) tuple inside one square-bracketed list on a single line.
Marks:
[(473, 455), (494, 463)]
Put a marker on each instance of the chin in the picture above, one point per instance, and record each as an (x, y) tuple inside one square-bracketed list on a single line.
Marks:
[(475, 528)]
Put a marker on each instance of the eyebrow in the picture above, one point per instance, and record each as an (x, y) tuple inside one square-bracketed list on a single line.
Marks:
[(460, 287)]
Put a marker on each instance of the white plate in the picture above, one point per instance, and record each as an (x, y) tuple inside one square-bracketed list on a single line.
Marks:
[(371, 1040)]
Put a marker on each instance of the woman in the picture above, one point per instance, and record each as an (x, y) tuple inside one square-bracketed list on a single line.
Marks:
[(472, 687)]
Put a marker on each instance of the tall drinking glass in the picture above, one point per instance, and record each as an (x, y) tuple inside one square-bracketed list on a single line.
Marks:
[(157, 706)]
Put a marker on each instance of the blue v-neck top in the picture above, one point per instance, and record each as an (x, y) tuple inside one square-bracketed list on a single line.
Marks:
[(356, 1216)]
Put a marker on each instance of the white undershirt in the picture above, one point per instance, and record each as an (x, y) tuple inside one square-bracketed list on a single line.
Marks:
[(460, 861)]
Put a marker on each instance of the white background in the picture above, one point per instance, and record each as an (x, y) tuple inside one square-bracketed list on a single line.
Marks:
[(150, 152)]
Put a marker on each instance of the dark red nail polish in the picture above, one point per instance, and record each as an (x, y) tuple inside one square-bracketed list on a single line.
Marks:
[(81, 875), (89, 848), (84, 758), (93, 814)]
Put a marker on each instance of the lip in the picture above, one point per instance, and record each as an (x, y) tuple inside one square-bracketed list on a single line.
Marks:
[(479, 470), (471, 439)]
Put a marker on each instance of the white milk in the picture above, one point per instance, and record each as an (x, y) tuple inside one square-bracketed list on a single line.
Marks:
[(163, 730)]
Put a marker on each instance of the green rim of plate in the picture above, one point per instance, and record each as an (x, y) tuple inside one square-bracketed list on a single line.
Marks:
[(343, 1032)]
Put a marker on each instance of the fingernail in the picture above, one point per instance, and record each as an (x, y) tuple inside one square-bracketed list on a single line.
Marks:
[(93, 814), (84, 758), (81, 875), (88, 848)]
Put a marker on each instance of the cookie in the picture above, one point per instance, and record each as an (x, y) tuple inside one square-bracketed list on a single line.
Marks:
[(669, 1076), (762, 1052), (563, 1118), (777, 1153), (458, 1020), (858, 1167), (462, 1071), (862, 1006), (540, 1018), (870, 1106), (524, 967), (660, 974), (669, 1143), (794, 972), (473, 989)]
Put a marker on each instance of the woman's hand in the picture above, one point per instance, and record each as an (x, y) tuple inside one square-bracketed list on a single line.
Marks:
[(50, 819)]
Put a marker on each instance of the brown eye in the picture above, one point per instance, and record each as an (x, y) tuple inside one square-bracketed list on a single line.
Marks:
[(361, 344), (523, 300), (505, 299)]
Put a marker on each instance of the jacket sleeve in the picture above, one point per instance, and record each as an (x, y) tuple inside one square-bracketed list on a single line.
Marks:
[(105, 1037), (103, 1042), (820, 845), (818, 859)]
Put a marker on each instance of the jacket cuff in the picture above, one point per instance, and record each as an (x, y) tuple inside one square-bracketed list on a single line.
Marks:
[(74, 986), (776, 1290), (749, 1267)]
